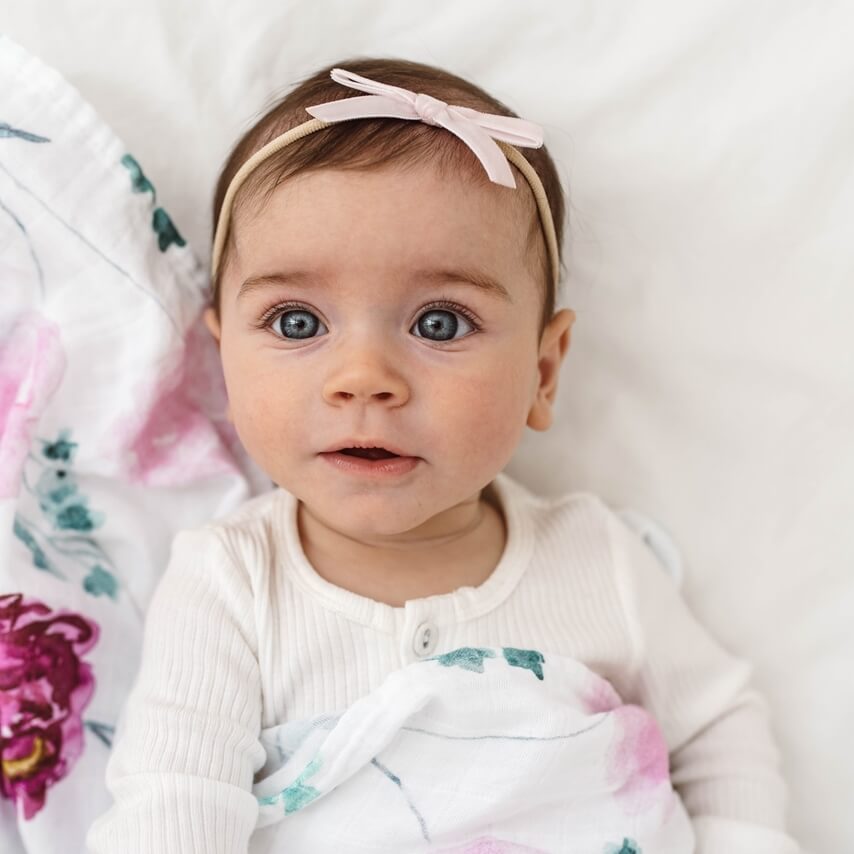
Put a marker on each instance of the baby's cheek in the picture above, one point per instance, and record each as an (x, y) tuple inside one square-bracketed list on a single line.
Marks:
[(488, 426), (255, 413), (496, 401)]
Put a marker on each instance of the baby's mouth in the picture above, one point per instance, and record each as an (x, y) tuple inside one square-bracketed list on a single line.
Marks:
[(368, 453)]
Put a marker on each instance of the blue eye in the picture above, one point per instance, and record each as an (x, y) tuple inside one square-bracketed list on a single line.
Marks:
[(443, 322), (299, 323), (438, 322)]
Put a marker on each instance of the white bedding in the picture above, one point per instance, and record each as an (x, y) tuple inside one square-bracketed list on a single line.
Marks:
[(710, 383)]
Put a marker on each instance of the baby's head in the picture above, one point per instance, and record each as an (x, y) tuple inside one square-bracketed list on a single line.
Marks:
[(374, 284)]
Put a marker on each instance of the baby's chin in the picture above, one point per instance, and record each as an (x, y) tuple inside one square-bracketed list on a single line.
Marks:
[(415, 517), (372, 516)]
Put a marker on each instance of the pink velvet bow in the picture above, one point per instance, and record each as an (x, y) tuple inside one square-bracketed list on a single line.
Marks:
[(477, 130)]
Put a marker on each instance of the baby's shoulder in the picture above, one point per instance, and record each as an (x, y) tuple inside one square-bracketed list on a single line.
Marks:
[(627, 534), (257, 509), (251, 524), (573, 529), (584, 528), (635, 548), (572, 512), (579, 503)]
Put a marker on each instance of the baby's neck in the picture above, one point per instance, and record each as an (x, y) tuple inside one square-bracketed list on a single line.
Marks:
[(394, 576)]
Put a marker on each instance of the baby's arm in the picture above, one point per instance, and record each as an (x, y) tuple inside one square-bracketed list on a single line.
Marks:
[(723, 760), (187, 746)]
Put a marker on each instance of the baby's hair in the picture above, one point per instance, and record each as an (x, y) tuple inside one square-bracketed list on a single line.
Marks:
[(376, 142)]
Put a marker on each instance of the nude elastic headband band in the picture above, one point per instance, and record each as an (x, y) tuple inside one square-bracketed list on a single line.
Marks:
[(491, 138)]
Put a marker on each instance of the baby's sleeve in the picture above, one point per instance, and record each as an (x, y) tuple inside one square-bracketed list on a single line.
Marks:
[(187, 747), (723, 759)]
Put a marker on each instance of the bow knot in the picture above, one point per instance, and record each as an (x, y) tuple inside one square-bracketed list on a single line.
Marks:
[(430, 109), (477, 130)]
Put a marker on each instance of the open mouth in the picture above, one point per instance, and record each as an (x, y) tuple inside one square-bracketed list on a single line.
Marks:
[(368, 453), (371, 462)]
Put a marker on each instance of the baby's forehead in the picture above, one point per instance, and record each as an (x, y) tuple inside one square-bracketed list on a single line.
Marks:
[(395, 210), (413, 182)]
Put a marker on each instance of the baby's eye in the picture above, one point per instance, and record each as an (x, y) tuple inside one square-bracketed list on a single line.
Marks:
[(443, 322), (294, 324), (438, 323)]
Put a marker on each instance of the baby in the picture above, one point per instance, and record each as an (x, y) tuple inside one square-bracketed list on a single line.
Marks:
[(400, 648)]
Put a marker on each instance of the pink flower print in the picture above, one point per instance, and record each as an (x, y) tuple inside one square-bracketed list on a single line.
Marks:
[(44, 687), (638, 762), (172, 438), (598, 695), (32, 363)]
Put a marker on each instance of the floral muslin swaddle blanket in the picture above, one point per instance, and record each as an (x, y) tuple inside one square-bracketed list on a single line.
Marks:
[(475, 751), (113, 437)]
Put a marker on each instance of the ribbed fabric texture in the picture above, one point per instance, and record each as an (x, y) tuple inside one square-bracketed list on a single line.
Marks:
[(242, 633)]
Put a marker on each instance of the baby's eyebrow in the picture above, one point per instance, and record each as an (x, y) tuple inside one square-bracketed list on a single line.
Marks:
[(430, 277)]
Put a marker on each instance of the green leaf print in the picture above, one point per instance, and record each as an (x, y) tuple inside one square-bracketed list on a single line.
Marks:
[(469, 658), (527, 658)]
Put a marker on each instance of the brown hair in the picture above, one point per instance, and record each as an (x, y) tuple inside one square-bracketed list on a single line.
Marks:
[(374, 142)]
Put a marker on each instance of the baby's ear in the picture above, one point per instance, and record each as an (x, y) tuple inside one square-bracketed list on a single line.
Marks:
[(212, 322)]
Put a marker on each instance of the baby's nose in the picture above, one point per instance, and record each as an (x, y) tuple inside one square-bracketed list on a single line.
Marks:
[(363, 381)]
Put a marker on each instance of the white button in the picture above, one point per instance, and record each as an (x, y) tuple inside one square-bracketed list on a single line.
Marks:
[(424, 641)]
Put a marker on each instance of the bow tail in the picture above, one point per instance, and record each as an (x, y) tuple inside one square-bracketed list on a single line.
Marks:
[(483, 145)]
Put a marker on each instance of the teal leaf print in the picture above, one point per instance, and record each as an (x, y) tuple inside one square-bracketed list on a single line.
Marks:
[(139, 183), (63, 504), (62, 449), (101, 581), (166, 232), (397, 782), (527, 658), (55, 488), (66, 508), (629, 846), (104, 732), (161, 223), (39, 558), (77, 518), (468, 658), (6, 130), (298, 794)]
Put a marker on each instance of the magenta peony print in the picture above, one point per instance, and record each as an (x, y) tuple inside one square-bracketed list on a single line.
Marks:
[(44, 687)]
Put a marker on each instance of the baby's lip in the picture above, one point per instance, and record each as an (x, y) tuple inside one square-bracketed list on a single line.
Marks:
[(391, 447)]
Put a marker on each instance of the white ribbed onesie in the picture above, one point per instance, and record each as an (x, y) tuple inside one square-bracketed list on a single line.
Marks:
[(242, 633)]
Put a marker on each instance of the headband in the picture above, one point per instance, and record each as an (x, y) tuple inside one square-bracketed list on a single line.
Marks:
[(491, 138)]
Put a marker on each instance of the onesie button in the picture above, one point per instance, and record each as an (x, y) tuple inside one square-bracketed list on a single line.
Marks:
[(424, 641)]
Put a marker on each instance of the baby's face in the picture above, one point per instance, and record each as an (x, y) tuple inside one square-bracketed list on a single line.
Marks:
[(364, 254)]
